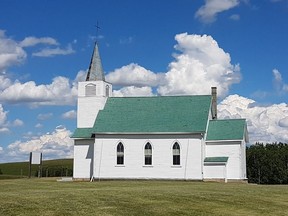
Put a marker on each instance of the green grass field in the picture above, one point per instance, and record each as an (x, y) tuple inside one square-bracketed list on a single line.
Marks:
[(18, 169), (46, 196)]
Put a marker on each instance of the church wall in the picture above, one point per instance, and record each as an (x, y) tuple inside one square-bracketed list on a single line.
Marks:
[(243, 159), (87, 111), (214, 171), (233, 150), (162, 159), (89, 105), (83, 158)]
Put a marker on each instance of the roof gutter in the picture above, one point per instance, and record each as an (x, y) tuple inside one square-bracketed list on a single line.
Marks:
[(149, 133), (224, 140)]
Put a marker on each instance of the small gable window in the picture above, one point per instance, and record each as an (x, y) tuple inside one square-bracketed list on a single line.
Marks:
[(90, 89), (176, 154), (107, 90), (120, 154), (148, 154)]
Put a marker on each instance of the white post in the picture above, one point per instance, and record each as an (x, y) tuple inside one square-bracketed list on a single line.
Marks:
[(225, 172)]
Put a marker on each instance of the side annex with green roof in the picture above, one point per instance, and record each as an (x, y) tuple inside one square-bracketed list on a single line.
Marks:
[(227, 129)]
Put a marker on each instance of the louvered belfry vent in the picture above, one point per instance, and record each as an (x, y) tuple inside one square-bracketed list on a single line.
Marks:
[(90, 90)]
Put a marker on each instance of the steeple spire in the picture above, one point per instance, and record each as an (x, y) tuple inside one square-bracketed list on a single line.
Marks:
[(95, 71)]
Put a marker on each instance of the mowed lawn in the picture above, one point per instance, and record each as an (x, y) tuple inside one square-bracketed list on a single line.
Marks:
[(49, 197)]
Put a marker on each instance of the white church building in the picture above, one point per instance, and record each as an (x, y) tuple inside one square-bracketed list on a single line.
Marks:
[(159, 137)]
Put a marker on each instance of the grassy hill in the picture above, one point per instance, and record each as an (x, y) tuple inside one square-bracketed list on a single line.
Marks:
[(46, 196), (22, 168)]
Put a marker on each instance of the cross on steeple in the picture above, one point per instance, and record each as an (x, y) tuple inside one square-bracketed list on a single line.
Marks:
[(95, 71), (97, 30)]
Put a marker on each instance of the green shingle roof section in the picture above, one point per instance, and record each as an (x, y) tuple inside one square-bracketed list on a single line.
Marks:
[(154, 114), (216, 159), (227, 129), (82, 133)]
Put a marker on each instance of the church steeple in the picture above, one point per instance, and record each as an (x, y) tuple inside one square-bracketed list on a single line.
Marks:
[(92, 93), (95, 71)]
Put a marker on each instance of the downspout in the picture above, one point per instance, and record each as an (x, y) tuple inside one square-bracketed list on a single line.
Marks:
[(93, 161), (203, 149), (99, 170), (225, 174), (187, 151)]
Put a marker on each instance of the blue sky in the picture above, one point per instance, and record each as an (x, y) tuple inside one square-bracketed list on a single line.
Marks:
[(147, 47)]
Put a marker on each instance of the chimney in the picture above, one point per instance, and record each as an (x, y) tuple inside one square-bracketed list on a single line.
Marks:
[(214, 102)]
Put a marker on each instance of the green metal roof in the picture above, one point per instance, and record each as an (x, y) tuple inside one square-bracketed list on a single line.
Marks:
[(154, 114), (216, 159), (174, 114), (227, 129), (82, 133)]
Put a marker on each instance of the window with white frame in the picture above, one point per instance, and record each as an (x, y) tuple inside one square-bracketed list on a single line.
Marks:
[(120, 154), (176, 154), (148, 154)]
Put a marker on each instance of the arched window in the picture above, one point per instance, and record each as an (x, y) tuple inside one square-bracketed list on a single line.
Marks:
[(107, 90), (120, 154), (148, 154), (90, 89), (176, 154)]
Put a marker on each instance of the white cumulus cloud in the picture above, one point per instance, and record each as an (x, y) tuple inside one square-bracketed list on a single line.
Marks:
[(133, 91), (44, 116), (49, 52), (265, 123), (32, 41), (38, 125), (280, 87), (3, 119), (11, 53), (200, 65), (80, 77), (279, 84), (208, 12), (284, 122), (3, 115), (59, 92), (17, 123), (4, 130), (5, 82), (58, 144), (72, 114), (235, 17), (133, 73), (5, 124)]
